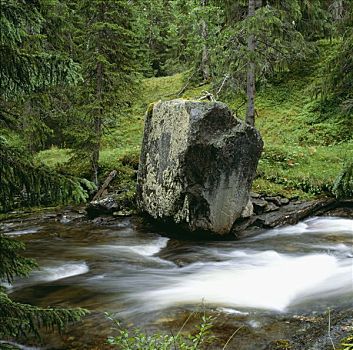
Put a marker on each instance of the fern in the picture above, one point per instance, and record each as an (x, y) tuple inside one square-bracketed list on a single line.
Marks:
[(343, 186)]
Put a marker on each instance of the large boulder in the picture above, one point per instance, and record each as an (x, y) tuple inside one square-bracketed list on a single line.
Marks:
[(197, 165)]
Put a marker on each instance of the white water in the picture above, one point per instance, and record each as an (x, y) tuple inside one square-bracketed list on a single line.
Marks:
[(56, 273), (18, 346), (300, 266), (249, 278), (274, 283), (26, 231)]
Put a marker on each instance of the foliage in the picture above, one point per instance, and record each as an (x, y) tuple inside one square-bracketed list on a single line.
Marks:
[(347, 343), (21, 319), (335, 86), (12, 264), (24, 184), (25, 65), (343, 186), (106, 47), (136, 339)]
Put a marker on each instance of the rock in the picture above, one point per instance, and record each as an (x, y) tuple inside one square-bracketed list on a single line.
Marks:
[(274, 200), (271, 207), (254, 195), (284, 201), (289, 214), (197, 165), (259, 205), (248, 210), (103, 206)]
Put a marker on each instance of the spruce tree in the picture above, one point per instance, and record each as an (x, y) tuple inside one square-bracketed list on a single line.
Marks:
[(28, 67), (106, 47)]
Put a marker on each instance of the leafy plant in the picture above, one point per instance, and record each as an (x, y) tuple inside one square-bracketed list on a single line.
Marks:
[(136, 339), (343, 186), (347, 343)]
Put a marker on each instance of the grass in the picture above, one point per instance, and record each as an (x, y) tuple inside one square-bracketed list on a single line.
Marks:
[(302, 156)]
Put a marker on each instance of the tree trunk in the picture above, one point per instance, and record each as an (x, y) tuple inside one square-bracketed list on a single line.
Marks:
[(98, 116), (97, 124), (250, 85), (337, 10), (205, 58)]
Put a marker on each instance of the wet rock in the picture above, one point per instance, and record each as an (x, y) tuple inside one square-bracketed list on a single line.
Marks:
[(259, 205), (288, 214), (271, 207), (284, 201), (197, 165), (248, 210), (274, 200), (122, 202), (103, 206)]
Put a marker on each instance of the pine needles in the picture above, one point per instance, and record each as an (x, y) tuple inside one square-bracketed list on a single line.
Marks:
[(24, 184)]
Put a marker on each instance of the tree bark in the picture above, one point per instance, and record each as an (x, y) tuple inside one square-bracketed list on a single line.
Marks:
[(337, 10), (97, 124), (205, 57), (106, 183), (250, 83), (98, 117)]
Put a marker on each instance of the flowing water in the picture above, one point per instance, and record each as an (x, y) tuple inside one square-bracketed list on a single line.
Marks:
[(147, 278)]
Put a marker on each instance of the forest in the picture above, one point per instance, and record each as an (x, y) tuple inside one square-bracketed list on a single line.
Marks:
[(77, 78)]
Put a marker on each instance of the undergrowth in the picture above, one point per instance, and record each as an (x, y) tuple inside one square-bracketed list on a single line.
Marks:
[(306, 143), (136, 339)]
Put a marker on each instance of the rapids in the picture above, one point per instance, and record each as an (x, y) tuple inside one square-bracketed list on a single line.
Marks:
[(143, 276)]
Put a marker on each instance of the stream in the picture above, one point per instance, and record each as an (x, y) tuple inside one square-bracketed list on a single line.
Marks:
[(272, 284)]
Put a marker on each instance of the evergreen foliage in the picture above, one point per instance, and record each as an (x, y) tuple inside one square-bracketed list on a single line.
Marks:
[(26, 64), (337, 84), (21, 319), (24, 184), (343, 186), (107, 51)]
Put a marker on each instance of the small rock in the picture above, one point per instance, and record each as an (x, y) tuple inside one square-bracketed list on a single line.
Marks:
[(271, 207), (284, 201), (254, 195), (274, 200), (123, 213), (259, 205)]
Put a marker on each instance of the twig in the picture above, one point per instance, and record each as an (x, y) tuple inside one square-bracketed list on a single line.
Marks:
[(186, 85), (207, 96), (231, 337), (184, 324), (221, 87), (329, 329)]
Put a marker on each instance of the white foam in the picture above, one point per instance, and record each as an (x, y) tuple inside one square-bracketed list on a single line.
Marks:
[(18, 346), (148, 249), (273, 285), (26, 231), (315, 225), (230, 311), (66, 270)]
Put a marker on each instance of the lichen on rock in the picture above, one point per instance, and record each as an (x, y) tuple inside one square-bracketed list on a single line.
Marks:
[(197, 165)]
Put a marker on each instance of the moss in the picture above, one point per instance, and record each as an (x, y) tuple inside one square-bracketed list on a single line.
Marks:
[(280, 344), (150, 108)]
